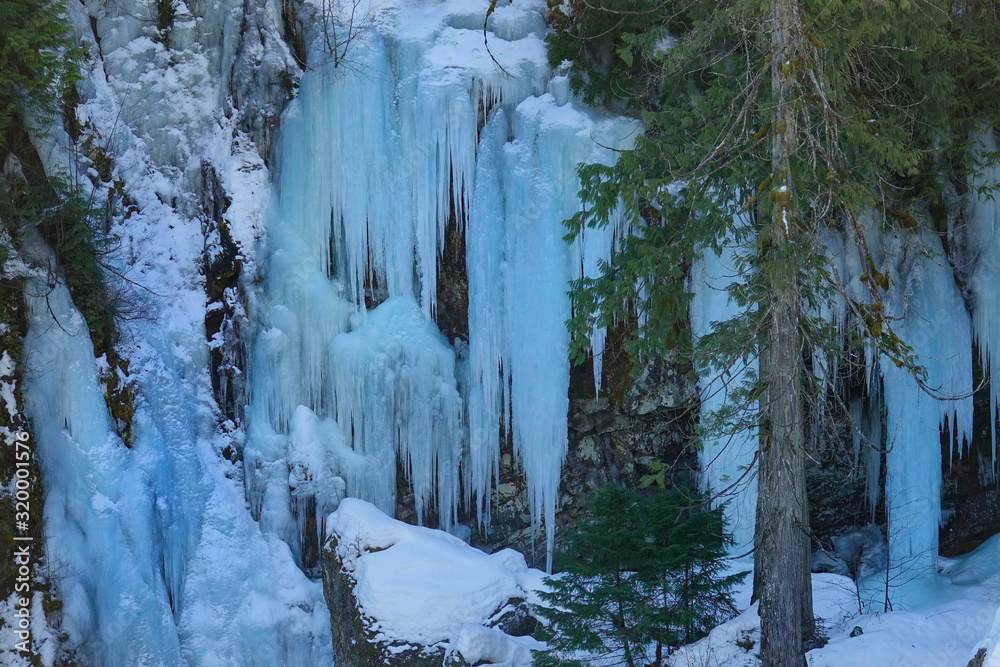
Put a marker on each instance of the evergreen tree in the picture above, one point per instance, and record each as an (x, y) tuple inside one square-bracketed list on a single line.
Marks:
[(38, 61), (645, 570), (40, 67), (773, 123)]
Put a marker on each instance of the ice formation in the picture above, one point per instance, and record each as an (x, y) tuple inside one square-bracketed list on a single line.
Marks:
[(164, 553), (933, 319), (984, 238), (926, 310), (150, 547), (149, 543), (728, 459), (519, 267), (376, 160)]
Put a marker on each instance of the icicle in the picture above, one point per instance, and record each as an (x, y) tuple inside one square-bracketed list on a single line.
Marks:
[(393, 382), (594, 247), (376, 160), (485, 252), (873, 468)]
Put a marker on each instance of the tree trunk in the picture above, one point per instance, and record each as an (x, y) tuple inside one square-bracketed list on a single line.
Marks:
[(782, 540)]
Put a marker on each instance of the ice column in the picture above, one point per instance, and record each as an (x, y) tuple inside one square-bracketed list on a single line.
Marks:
[(394, 386), (935, 322), (376, 157), (984, 238), (727, 459), (100, 518)]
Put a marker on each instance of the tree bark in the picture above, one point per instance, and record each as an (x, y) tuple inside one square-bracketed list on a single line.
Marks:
[(782, 576)]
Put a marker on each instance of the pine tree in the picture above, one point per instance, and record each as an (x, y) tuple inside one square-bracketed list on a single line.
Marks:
[(775, 122), (38, 62), (40, 67), (645, 570)]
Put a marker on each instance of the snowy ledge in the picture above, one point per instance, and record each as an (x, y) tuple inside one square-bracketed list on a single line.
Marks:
[(401, 594)]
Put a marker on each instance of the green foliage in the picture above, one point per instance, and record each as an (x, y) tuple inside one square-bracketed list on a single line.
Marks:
[(886, 98), (69, 223), (656, 477), (38, 61), (612, 45), (646, 570), (40, 68)]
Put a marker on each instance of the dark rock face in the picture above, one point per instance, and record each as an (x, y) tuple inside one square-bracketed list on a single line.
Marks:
[(225, 316), (970, 500), (969, 493), (261, 82), (609, 442), (836, 487), (453, 286)]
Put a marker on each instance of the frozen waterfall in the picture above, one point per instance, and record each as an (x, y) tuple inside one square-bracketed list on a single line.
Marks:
[(422, 129), (171, 551)]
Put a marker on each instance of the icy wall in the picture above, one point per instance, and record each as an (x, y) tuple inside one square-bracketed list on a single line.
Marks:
[(169, 553), (376, 157), (728, 459), (925, 308), (933, 319), (150, 546), (984, 256)]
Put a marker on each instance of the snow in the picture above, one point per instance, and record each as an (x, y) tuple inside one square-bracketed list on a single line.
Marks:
[(418, 585), (7, 384), (44, 642), (947, 622)]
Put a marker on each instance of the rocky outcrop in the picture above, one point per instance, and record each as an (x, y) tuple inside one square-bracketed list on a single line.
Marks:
[(355, 643), (225, 317), (480, 616), (611, 440)]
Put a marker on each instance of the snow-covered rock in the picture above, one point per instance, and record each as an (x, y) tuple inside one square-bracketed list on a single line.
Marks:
[(401, 594)]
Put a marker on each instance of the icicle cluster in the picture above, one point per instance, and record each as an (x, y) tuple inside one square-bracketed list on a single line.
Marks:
[(376, 159), (935, 322), (519, 268), (984, 237)]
